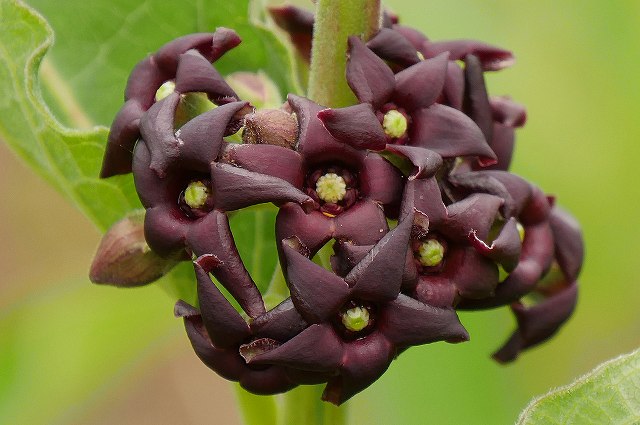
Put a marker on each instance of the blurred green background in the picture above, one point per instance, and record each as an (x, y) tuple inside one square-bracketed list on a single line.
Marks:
[(74, 353)]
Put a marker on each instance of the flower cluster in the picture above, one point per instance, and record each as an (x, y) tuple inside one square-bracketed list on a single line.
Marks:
[(409, 187)]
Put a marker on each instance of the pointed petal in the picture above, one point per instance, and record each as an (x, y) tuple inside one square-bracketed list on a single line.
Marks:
[(315, 143), (505, 249), (313, 229), (363, 224), (508, 112), (124, 132), (200, 139), (491, 57), (501, 144), (420, 85), (280, 323), (475, 213), (473, 275), (538, 323), (368, 76), (347, 255), (378, 276), (454, 86), (365, 360), (211, 235), (235, 188), (415, 37), (569, 247), (271, 160), (226, 363), (225, 326), (406, 322), (448, 132), (380, 180), (427, 162), (211, 45), (196, 74), (317, 348), (298, 23), (476, 99), (316, 292), (392, 46), (156, 128), (144, 81), (424, 196), (355, 125)]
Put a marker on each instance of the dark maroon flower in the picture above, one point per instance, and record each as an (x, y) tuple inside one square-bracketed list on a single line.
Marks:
[(401, 109), (352, 188), (357, 324), (298, 23), (186, 207), (191, 73), (222, 339)]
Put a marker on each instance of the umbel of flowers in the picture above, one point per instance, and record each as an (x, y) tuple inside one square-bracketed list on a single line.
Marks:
[(409, 187)]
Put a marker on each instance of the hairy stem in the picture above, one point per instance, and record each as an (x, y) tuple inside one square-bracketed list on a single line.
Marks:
[(336, 20)]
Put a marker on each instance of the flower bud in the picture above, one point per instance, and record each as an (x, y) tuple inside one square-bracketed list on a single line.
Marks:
[(272, 127), (124, 259)]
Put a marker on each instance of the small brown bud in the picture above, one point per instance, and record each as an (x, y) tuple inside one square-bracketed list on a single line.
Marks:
[(124, 259), (272, 127)]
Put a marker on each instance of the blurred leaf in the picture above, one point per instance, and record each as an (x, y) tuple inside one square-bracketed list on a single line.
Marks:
[(610, 394)]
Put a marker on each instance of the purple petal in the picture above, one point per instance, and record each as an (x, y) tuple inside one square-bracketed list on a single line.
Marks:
[(415, 37), (569, 247), (124, 132), (508, 112), (380, 180), (491, 57), (406, 322), (369, 77), (437, 290), (313, 229), (364, 224), (448, 132), (165, 230), (151, 189), (476, 99), (314, 142), (200, 139), (505, 249), (271, 160), (156, 128), (424, 196), (473, 275), (364, 361), (144, 81), (427, 162), (475, 213), (317, 293), (211, 235), (235, 188), (317, 348), (272, 380), (347, 255), (225, 326), (357, 125), (538, 323), (501, 144), (211, 45), (392, 46), (454, 86), (378, 276), (420, 85), (298, 23), (280, 323), (196, 74)]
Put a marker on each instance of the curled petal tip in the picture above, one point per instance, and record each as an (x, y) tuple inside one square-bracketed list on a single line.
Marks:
[(257, 347), (208, 262), (183, 309)]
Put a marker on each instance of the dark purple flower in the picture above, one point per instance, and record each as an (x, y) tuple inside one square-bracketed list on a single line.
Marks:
[(222, 339), (352, 188), (191, 73), (359, 323), (401, 109)]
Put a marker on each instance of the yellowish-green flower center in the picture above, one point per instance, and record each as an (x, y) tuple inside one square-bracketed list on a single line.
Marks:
[(355, 319), (420, 56), (431, 253), (165, 90), (520, 228), (196, 194), (394, 124), (331, 188)]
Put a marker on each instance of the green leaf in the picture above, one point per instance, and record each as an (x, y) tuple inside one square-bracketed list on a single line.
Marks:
[(610, 394)]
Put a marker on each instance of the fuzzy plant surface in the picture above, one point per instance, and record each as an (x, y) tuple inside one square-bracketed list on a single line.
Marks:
[(310, 236)]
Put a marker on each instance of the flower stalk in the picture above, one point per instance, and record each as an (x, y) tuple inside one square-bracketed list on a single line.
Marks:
[(336, 20)]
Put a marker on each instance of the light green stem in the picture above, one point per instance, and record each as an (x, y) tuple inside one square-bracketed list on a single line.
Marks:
[(336, 20), (303, 406)]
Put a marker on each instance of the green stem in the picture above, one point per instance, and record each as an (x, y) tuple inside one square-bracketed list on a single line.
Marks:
[(302, 405), (336, 20)]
